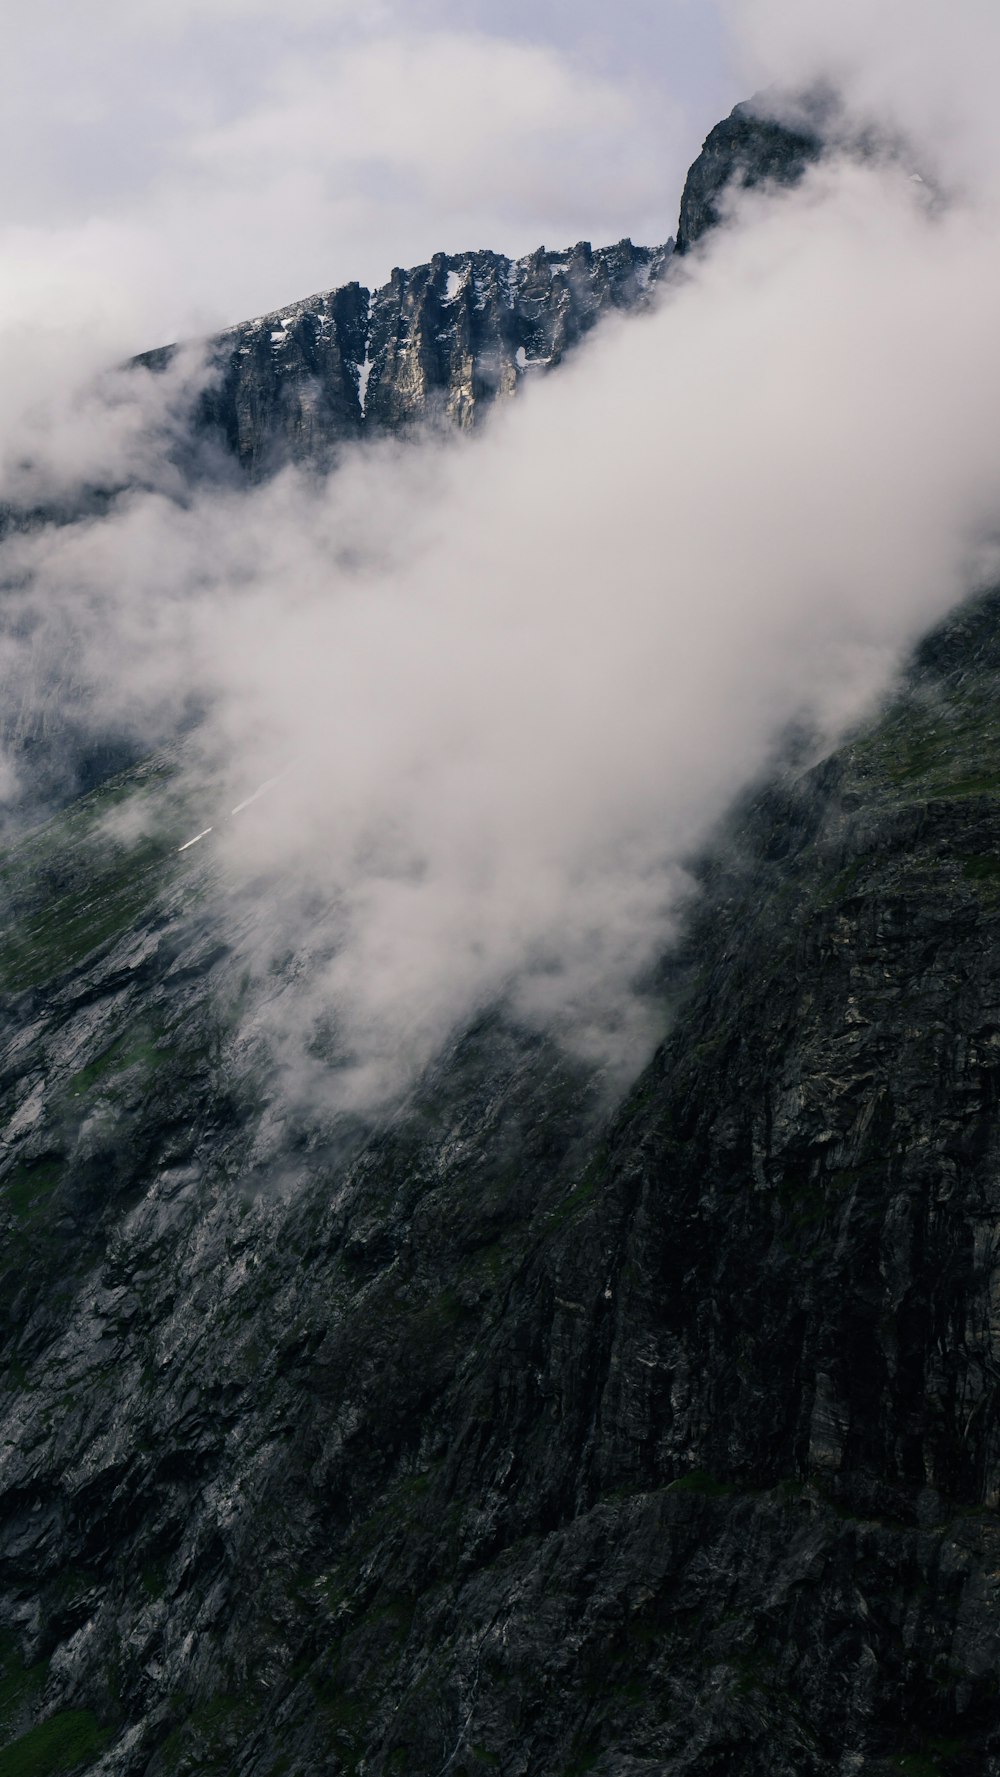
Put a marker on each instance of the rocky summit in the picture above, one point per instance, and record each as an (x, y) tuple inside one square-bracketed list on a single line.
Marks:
[(514, 1432), (438, 343)]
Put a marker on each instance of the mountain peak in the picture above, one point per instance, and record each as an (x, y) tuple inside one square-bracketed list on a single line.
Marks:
[(750, 147)]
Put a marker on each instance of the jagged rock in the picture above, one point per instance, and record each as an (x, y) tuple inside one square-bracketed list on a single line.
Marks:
[(748, 148), (440, 342)]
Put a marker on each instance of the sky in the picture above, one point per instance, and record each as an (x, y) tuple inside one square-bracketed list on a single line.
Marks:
[(222, 158), (178, 166), (507, 686)]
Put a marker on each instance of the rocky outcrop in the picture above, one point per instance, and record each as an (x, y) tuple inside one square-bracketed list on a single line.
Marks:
[(749, 148), (436, 347), (438, 343)]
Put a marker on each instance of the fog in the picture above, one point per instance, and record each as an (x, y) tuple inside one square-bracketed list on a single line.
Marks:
[(920, 67), (500, 690), (181, 167)]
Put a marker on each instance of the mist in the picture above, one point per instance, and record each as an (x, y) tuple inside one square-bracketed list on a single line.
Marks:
[(919, 68), (496, 693)]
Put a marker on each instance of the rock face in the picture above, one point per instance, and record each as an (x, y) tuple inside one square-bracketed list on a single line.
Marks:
[(437, 346), (440, 342), (515, 1433), (511, 1434), (747, 149)]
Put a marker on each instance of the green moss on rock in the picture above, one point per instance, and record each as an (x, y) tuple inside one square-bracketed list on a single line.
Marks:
[(69, 1741)]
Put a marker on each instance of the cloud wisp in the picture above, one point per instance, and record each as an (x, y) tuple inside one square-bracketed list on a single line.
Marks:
[(181, 168), (920, 68), (508, 686)]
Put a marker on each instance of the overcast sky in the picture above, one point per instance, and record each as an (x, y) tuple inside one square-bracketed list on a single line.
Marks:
[(185, 163), (179, 164)]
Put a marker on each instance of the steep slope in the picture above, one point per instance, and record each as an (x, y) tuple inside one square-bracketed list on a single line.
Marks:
[(512, 1433), (506, 1434)]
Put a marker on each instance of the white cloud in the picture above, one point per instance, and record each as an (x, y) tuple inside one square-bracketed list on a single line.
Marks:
[(183, 169), (567, 645), (456, 120), (925, 67)]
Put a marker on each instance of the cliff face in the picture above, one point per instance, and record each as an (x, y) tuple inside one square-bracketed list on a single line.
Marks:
[(509, 1433), (747, 149), (512, 1433), (440, 342), (435, 347)]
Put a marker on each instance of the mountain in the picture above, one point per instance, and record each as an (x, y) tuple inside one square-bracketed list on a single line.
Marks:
[(435, 347), (748, 148), (512, 1433), (440, 342)]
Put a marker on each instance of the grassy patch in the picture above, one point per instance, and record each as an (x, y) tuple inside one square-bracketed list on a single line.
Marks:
[(27, 1189), (980, 783), (153, 1579), (20, 1685), (584, 1761), (344, 1718), (582, 1195), (436, 1318), (76, 883), (206, 1740), (847, 885), (134, 1049), (984, 868), (62, 930), (700, 1481), (63, 1743), (937, 749)]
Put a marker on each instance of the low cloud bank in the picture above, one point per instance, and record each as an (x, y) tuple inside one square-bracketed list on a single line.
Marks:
[(506, 687), (923, 68)]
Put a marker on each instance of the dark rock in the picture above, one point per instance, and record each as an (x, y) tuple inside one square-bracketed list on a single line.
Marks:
[(748, 149), (510, 1433), (437, 344)]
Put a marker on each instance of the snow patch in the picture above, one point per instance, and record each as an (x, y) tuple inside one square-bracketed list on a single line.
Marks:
[(365, 368), (364, 375), (520, 357), (189, 842), (456, 281)]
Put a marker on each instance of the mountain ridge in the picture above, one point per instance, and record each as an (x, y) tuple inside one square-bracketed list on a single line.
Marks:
[(442, 341), (438, 342)]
